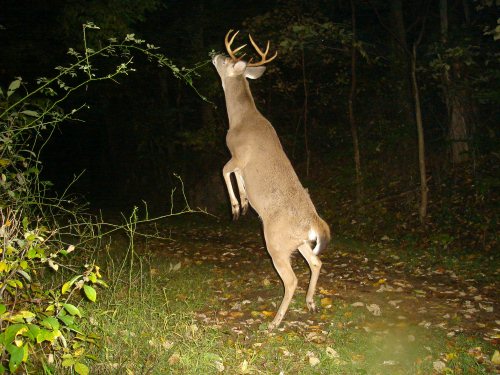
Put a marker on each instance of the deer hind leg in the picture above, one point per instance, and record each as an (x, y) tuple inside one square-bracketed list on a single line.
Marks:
[(282, 264), (315, 266), (229, 168), (243, 192)]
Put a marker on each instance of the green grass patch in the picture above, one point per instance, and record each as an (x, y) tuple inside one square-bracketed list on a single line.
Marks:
[(162, 316)]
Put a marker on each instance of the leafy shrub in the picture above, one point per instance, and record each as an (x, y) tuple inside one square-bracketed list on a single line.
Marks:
[(37, 317), (42, 293)]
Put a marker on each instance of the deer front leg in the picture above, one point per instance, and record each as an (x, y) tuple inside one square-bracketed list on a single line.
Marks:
[(226, 172), (242, 191), (315, 266), (284, 268)]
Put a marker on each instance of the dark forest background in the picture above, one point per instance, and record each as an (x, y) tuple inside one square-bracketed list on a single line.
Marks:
[(352, 83)]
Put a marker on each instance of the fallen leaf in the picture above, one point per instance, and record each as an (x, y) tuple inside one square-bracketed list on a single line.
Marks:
[(244, 367), (390, 363), (326, 292), (313, 360), (236, 314), (357, 358), (332, 353), (495, 359), (174, 359), (439, 366), (374, 309), (395, 303), (326, 302), (175, 267), (219, 366), (486, 308), (167, 344), (315, 337)]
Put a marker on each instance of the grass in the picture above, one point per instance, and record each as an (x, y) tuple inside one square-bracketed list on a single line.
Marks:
[(173, 312)]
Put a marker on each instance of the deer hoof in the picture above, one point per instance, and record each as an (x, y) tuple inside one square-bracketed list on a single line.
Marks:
[(271, 327), (244, 207), (236, 211), (311, 306)]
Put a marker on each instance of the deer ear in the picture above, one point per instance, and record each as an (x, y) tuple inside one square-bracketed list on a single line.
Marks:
[(239, 67), (254, 72)]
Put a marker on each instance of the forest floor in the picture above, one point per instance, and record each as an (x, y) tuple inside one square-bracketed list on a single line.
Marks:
[(200, 299)]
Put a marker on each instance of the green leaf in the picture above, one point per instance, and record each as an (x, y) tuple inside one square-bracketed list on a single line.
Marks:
[(16, 356), (68, 362), (14, 85), (25, 223), (24, 274), (31, 252), (45, 335), (90, 292), (3, 308), (11, 332), (33, 331), (68, 320), (81, 369), (72, 309), (30, 113), (101, 282), (67, 285), (93, 277), (50, 322)]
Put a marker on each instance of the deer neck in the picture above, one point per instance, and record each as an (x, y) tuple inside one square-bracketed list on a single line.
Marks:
[(239, 100)]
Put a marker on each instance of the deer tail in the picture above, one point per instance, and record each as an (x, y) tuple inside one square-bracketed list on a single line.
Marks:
[(321, 234)]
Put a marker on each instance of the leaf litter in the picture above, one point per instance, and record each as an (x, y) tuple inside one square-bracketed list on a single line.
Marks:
[(247, 292)]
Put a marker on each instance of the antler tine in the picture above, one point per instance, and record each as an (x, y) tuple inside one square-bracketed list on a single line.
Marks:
[(228, 43), (262, 54)]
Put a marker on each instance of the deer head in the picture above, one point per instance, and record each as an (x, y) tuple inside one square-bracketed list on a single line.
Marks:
[(233, 66)]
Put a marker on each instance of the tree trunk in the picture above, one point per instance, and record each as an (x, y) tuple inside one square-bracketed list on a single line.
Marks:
[(400, 66), (306, 110), (456, 99), (352, 118), (421, 141)]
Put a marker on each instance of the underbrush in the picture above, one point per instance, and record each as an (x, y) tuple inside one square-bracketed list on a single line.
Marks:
[(47, 271), (172, 318), (462, 214)]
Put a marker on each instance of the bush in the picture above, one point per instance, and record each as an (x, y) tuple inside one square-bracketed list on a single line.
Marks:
[(45, 272)]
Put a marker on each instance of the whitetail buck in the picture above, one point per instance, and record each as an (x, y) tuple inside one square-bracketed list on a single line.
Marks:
[(266, 179)]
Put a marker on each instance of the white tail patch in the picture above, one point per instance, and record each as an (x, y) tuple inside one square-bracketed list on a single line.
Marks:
[(313, 236)]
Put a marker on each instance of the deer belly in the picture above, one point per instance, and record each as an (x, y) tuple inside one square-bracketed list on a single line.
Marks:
[(265, 189)]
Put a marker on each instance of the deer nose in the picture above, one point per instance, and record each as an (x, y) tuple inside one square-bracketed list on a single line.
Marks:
[(216, 58)]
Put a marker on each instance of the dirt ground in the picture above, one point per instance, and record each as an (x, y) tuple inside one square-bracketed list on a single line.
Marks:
[(372, 279)]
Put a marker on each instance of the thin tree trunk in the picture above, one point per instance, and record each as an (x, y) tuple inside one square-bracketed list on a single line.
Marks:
[(421, 141), (352, 118), (454, 98), (306, 110), (400, 65), (412, 56)]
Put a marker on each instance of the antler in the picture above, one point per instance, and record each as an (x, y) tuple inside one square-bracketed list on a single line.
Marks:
[(262, 54), (228, 43), (232, 53)]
